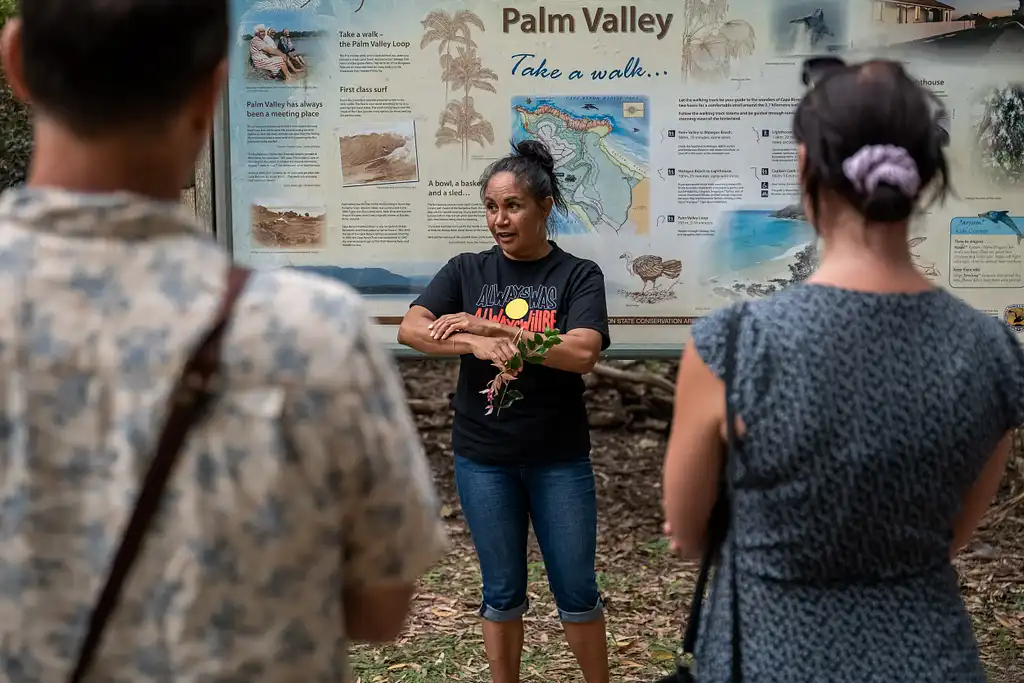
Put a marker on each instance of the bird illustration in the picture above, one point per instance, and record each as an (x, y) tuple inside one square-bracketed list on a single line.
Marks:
[(1004, 218), (816, 26), (928, 268), (650, 268)]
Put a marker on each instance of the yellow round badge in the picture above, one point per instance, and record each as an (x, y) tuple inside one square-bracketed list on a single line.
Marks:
[(517, 309)]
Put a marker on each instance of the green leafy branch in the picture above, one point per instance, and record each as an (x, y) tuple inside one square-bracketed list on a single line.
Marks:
[(532, 351)]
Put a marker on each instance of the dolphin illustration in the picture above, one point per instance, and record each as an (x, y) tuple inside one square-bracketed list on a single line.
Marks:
[(1004, 218), (816, 26)]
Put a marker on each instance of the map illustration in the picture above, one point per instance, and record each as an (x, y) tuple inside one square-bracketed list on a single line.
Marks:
[(601, 146)]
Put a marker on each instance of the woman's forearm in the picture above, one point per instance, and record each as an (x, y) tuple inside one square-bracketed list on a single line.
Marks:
[(572, 355), (418, 337)]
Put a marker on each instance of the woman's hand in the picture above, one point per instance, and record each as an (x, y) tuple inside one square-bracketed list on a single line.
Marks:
[(447, 325), (494, 349)]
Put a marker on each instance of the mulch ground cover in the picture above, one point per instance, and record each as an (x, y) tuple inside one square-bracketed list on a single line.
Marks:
[(644, 586)]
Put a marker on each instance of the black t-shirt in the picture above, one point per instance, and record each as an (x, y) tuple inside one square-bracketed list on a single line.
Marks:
[(561, 292)]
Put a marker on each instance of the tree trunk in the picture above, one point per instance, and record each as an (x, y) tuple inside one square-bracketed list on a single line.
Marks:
[(465, 140), (447, 90)]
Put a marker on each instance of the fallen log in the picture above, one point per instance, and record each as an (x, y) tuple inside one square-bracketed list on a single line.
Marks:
[(428, 406), (646, 378)]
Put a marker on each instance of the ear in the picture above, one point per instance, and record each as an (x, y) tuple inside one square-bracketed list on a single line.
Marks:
[(547, 205), (12, 59), (205, 98), (801, 161)]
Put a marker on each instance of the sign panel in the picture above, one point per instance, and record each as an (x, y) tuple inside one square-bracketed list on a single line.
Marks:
[(357, 131)]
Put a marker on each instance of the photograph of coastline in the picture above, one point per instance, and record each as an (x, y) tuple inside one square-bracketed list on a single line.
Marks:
[(379, 154), (601, 147), (375, 281), (757, 252), (287, 227)]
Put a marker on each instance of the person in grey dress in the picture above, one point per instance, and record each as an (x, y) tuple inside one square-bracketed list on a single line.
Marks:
[(874, 413)]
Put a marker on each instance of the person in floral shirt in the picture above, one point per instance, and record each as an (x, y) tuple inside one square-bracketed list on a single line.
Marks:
[(301, 511)]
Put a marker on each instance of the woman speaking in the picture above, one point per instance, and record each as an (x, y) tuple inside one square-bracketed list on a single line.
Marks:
[(529, 459)]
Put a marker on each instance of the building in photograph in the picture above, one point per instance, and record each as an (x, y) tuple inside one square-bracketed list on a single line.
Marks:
[(911, 11)]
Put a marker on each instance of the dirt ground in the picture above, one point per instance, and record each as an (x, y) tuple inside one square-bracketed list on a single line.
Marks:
[(285, 229), (644, 586)]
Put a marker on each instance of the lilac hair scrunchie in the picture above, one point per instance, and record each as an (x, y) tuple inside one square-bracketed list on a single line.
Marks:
[(873, 164)]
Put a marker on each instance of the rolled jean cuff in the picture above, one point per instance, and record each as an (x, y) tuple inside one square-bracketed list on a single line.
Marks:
[(583, 617), (500, 615)]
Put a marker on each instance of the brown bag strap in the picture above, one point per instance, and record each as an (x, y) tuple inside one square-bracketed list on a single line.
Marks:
[(191, 398)]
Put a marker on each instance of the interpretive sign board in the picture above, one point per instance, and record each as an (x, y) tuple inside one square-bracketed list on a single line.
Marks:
[(359, 155)]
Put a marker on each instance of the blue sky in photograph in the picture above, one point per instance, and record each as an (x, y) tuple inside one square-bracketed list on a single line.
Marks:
[(296, 21), (990, 7)]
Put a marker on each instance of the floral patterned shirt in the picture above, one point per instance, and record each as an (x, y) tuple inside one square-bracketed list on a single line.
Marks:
[(308, 474)]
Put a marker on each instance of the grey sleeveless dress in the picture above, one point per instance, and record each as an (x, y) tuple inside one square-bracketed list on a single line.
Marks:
[(869, 417)]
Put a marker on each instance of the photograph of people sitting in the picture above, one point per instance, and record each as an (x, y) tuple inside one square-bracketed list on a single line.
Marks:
[(285, 45), (266, 57)]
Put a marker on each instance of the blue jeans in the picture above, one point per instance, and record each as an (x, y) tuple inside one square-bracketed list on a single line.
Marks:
[(499, 502)]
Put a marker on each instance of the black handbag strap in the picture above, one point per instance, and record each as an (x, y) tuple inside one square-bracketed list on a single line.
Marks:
[(191, 398), (718, 524)]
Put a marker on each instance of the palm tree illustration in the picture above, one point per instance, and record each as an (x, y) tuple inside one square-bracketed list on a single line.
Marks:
[(449, 30), (711, 42), (462, 124), (467, 73)]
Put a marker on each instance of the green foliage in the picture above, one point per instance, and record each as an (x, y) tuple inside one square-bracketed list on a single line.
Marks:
[(532, 351), (15, 123)]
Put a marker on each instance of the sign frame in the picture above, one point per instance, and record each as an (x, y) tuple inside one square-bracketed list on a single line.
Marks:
[(221, 213)]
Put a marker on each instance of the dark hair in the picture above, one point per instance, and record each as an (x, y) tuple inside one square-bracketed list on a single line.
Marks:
[(532, 165), (850, 107), (95, 65)]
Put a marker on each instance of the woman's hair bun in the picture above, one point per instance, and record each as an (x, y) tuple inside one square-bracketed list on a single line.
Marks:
[(872, 135), (887, 204), (537, 152)]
